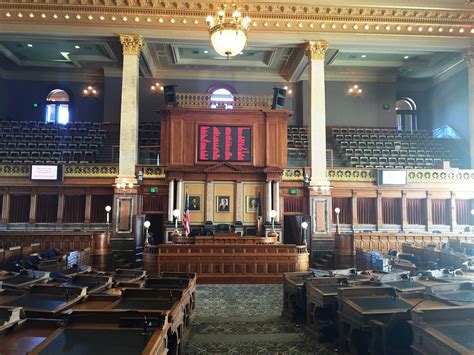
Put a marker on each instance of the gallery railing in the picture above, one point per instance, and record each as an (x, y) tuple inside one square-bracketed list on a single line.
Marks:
[(415, 176), (239, 101)]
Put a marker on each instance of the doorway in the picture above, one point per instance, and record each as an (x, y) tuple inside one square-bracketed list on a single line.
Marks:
[(156, 230)]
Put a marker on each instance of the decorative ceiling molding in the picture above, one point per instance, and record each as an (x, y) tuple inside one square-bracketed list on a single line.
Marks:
[(266, 17)]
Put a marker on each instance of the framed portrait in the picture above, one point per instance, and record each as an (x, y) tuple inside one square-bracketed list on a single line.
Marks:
[(194, 202), (223, 203), (251, 204)]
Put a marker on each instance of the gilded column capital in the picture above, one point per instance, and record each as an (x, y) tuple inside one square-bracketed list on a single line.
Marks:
[(131, 44), (316, 50)]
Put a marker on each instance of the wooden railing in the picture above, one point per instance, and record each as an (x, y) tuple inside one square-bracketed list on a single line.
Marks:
[(240, 101), (226, 261)]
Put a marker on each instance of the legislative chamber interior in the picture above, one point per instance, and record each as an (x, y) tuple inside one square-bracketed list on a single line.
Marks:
[(236, 177)]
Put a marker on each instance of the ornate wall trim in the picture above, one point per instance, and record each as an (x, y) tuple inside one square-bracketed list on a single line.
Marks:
[(70, 171), (293, 174), (280, 17), (415, 176)]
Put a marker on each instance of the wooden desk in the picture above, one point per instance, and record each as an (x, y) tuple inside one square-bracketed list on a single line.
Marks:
[(89, 332), (227, 263), (384, 242)]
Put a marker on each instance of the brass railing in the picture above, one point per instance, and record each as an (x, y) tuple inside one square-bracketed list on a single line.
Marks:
[(239, 101)]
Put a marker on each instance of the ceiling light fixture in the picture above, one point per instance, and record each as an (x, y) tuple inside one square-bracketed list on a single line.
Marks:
[(354, 90), (228, 37), (77, 47), (406, 57), (90, 91), (363, 56), (205, 52), (29, 45)]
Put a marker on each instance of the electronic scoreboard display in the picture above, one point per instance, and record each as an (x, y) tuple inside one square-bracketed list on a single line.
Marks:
[(224, 143)]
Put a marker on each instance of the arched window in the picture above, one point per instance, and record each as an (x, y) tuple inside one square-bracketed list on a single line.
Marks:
[(407, 119), (222, 96), (446, 131), (57, 107)]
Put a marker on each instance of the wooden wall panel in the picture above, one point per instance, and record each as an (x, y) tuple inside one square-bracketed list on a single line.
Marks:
[(179, 134), (224, 189), (196, 189)]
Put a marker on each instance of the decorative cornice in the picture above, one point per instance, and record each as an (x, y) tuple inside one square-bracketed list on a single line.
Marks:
[(316, 50), (131, 44), (267, 17)]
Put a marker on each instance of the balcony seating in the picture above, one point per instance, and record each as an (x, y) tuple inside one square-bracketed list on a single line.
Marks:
[(388, 148), (36, 142), (298, 145)]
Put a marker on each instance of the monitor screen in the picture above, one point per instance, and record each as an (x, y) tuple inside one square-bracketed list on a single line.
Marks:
[(46, 172), (224, 143), (392, 178)]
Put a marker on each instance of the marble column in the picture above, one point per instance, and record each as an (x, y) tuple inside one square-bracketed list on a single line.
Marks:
[(268, 201), (128, 158), (87, 212), (316, 51), (469, 55), (179, 198), (429, 212), (209, 203), (33, 203), (5, 207), (379, 211), (355, 219), (170, 201), (60, 214), (453, 211), (276, 200), (404, 212), (238, 202)]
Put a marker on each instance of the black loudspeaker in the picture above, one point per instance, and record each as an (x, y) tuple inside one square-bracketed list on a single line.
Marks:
[(279, 96), (169, 92)]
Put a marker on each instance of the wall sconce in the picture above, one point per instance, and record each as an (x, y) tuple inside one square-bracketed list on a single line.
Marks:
[(354, 90), (147, 225), (157, 87), (322, 189), (337, 210), (306, 179), (273, 215), (90, 91), (304, 226), (123, 185), (107, 210), (176, 214), (289, 92)]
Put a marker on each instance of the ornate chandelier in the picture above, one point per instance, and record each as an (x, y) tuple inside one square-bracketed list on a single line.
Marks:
[(228, 38)]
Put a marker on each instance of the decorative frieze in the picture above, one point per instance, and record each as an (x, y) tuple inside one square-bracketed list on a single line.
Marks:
[(281, 17)]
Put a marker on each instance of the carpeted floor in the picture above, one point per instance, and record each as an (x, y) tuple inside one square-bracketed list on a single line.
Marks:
[(246, 319)]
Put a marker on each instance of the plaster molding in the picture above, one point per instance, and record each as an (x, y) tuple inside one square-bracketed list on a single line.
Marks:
[(48, 76), (283, 17), (449, 72)]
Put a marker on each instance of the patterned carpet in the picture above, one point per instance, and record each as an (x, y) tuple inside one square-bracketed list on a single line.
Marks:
[(246, 319)]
